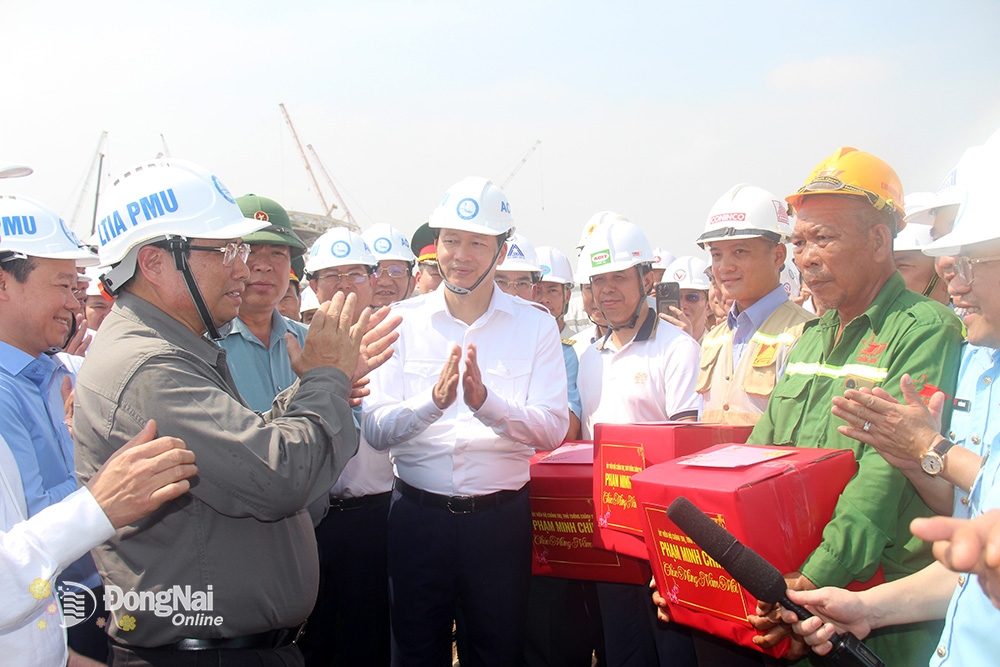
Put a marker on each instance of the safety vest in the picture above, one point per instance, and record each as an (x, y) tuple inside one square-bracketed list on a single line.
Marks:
[(740, 397)]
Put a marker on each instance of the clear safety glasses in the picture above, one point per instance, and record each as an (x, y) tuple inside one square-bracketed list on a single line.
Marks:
[(230, 251), (831, 184), (963, 267)]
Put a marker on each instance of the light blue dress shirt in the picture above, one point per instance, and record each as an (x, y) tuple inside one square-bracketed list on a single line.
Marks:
[(261, 373), (572, 369), (33, 422), (747, 322), (971, 424), (970, 635)]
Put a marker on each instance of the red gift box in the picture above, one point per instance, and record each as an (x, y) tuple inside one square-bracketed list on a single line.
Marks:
[(621, 450), (562, 516), (778, 507)]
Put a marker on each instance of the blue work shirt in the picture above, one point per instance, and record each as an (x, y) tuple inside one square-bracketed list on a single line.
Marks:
[(261, 373), (33, 422), (971, 425), (747, 322), (572, 370), (970, 632)]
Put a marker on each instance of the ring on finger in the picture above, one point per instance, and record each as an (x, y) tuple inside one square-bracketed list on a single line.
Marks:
[(867, 427)]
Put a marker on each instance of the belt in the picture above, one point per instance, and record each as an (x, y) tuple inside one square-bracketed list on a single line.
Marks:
[(263, 640), (342, 504), (457, 504)]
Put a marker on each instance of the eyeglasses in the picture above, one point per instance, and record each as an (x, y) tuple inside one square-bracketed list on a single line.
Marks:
[(963, 266), (230, 251), (353, 276), (829, 183), (693, 297), (516, 285), (394, 271)]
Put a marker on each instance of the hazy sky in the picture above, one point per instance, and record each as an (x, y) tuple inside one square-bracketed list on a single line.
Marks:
[(653, 109)]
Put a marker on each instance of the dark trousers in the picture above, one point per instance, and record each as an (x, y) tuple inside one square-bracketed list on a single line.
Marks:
[(88, 638), (288, 656), (562, 615), (349, 625), (634, 637), (438, 561)]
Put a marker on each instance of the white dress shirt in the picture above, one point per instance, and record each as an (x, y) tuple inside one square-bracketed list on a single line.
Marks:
[(650, 379), (459, 451), (39, 548)]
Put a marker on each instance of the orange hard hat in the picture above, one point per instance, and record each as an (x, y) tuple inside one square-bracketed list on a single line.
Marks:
[(855, 173)]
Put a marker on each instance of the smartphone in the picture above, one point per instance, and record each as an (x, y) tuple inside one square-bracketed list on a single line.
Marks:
[(667, 294)]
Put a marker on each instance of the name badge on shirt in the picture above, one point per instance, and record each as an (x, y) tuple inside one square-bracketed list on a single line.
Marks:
[(765, 355), (962, 404)]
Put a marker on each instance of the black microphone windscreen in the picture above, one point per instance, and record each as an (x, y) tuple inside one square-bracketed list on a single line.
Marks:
[(761, 579)]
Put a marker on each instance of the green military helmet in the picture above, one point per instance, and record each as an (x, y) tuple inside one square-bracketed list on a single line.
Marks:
[(279, 232)]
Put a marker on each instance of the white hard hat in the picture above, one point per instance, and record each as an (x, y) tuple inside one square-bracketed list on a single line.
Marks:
[(92, 275), (662, 258), (689, 272), (614, 246), (388, 243), (922, 208), (747, 212), (520, 256), (160, 198), (555, 266), (308, 300), (912, 237), (596, 220), (339, 247), (790, 279), (975, 176), (8, 170), (28, 228), (475, 205)]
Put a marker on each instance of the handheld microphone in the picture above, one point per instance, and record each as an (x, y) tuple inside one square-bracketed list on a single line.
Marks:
[(759, 577)]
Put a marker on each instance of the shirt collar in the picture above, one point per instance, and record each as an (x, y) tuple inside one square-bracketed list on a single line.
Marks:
[(12, 359), (880, 307), (759, 311), (279, 327), (499, 300), (646, 331)]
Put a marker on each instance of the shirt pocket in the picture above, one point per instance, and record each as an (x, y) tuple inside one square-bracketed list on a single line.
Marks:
[(421, 374), (706, 367), (791, 400), (761, 379), (508, 378)]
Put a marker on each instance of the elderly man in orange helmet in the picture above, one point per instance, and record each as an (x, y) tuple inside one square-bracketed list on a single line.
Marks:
[(873, 331)]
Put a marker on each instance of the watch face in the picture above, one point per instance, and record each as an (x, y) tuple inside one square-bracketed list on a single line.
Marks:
[(932, 463)]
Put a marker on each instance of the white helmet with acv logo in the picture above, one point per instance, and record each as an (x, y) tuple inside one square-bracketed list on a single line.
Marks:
[(474, 205), (339, 247), (520, 256), (747, 212), (388, 243), (615, 246), (162, 198), (555, 266), (29, 229)]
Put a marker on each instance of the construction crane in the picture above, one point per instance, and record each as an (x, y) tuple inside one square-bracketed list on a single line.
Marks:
[(319, 193), (521, 163), (329, 181), (96, 165)]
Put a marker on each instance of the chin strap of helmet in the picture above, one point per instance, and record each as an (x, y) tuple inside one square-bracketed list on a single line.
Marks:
[(641, 270), (455, 289), (178, 247), (931, 285)]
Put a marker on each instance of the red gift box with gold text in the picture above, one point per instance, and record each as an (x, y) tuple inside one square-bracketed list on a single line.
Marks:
[(562, 516), (778, 507), (621, 450)]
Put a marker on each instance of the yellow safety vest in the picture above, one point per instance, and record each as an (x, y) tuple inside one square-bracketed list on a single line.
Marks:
[(740, 397)]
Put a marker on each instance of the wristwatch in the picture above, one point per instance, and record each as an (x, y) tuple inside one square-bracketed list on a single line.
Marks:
[(932, 461)]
